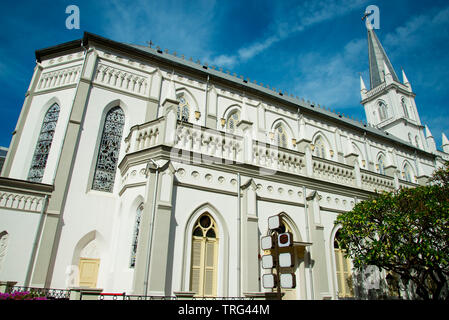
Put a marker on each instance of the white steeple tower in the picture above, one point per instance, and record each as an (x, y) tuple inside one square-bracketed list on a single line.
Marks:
[(390, 104)]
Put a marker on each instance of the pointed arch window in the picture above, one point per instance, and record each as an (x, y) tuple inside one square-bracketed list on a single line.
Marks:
[(233, 120), (343, 268), (203, 280), (320, 149), (43, 145), (417, 141), (109, 150), (408, 173), (382, 111), (404, 108), (281, 136), (183, 109), (135, 236), (381, 164)]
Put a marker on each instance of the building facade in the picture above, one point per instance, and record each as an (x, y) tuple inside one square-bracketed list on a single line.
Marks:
[(136, 170)]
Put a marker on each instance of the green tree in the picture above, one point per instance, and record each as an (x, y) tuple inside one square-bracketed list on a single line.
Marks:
[(406, 232)]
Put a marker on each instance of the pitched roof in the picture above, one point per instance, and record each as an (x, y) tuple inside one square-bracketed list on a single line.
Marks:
[(235, 81)]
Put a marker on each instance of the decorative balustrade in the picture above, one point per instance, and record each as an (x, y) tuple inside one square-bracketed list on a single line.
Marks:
[(59, 78), (209, 143), (333, 171), (212, 146), (278, 159), (376, 90), (144, 136), (373, 181)]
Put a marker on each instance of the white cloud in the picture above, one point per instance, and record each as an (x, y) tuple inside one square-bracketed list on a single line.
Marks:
[(290, 21)]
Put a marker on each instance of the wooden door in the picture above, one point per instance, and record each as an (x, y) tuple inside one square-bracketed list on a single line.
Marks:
[(88, 270)]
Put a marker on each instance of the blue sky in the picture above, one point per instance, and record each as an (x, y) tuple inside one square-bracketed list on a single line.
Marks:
[(313, 49)]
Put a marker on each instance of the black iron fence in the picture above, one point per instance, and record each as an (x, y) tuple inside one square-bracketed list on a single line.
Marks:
[(47, 293)]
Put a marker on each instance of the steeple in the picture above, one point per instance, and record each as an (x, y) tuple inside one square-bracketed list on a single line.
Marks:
[(377, 60)]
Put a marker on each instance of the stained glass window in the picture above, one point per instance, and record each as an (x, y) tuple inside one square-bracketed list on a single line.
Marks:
[(183, 110), (109, 150), (43, 144), (135, 236)]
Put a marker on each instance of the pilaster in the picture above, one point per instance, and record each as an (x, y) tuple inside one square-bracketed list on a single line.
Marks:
[(153, 253), (250, 238), (43, 269), (320, 272)]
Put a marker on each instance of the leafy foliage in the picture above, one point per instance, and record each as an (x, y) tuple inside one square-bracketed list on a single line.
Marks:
[(406, 232)]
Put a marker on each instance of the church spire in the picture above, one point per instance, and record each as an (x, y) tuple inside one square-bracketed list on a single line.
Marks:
[(377, 59)]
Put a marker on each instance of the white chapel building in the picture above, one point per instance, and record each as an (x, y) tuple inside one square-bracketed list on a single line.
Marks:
[(136, 170)]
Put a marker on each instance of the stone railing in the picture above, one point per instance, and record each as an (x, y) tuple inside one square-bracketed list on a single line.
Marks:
[(278, 159), (376, 90), (193, 142), (209, 143), (144, 136), (373, 181), (406, 184), (333, 171)]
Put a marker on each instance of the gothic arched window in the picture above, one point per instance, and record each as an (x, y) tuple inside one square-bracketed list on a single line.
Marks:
[(183, 110), (204, 257), (43, 144), (343, 268), (417, 141), (408, 173), (281, 136), (404, 108), (320, 150), (233, 120), (136, 235), (381, 164), (382, 111), (109, 150)]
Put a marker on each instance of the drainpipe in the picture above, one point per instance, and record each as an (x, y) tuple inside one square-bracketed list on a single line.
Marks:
[(36, 242), (304, 190), (239, 228), (150, 239)]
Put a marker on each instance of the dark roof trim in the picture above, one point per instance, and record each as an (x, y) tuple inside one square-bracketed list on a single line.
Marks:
[(58, 48)]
